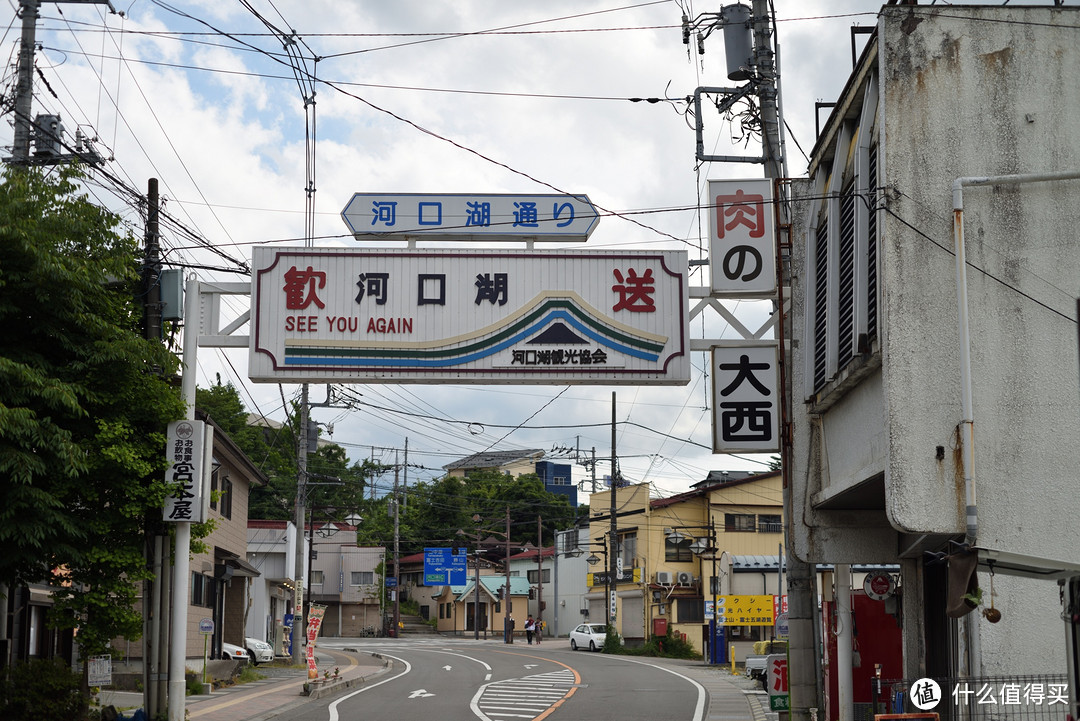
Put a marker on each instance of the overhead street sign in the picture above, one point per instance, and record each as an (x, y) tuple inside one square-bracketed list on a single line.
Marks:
[(444, 567), (471, 217), (354, 315)]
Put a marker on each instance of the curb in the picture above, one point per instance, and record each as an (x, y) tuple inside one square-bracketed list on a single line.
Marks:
[(323, 689)]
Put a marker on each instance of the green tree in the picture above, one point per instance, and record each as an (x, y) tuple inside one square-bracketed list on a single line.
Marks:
[(337, 488), (84, 403)]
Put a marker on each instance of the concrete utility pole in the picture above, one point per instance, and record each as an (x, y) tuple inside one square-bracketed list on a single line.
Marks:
[(802, 590), (301, 490), (24, 92), (613, 531)]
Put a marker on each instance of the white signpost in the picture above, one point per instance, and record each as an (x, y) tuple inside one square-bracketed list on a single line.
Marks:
[(469, 316), (470, 217)]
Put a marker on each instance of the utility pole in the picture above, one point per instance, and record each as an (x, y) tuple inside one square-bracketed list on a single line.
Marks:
[(508, 620), (802, 589), (48, 135), (397, 549), (539, 571), (614, 526), (154, 632), (24, 94), (301, 492)]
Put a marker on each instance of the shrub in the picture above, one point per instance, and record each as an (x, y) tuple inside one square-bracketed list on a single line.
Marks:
[(41, 689)]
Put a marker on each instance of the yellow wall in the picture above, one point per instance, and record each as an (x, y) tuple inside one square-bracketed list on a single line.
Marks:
[(693, 512)]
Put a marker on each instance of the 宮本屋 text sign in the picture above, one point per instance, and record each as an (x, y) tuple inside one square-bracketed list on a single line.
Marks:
[(186, 442), (746, 401), (469, 316), (742, 246)]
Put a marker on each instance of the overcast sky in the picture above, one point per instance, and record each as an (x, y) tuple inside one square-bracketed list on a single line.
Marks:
[(422, 96)]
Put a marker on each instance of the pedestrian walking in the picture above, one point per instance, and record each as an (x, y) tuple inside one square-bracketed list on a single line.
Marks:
[(539, 630), (530, 627)]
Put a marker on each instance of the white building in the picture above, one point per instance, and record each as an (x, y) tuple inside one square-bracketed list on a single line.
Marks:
[(881, 467)]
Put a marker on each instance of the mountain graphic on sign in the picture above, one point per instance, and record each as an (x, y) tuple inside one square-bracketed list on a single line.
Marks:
[(557, 334)]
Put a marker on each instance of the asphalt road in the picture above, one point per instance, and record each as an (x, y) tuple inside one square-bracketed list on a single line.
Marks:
[(454, 680)]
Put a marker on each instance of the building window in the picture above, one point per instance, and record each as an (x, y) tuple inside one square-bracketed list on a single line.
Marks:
[(769, 524), (546, 576), (689, 610), (560, 481), (842, 258), (200, 590), (739, 522), (362, 578), (678, 550), (225, 504), (628, 548), (316, 578)]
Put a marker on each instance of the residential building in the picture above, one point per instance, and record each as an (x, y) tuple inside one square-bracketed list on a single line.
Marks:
[(557, 477), (271, 549), (459, 610), (934, 356), (221, 577), (666, 579)]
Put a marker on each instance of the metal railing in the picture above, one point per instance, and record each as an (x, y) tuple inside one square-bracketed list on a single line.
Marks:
[(985, 698)]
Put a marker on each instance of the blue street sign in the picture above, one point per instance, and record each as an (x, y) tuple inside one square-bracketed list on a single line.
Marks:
[(443, 567), (462, 216), (391, 581)]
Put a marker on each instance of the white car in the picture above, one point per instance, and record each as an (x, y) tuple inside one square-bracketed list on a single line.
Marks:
[(588, 635), (229, 651), (259, 651)]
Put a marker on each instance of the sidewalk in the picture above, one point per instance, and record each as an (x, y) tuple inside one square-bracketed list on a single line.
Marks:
[(262, 700), (732, 697)]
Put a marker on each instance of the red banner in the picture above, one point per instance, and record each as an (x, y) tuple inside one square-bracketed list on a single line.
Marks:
[(315, 617)]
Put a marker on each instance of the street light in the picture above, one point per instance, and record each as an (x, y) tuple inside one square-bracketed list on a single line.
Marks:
[(592, 560), (703, 547), (478, 552)]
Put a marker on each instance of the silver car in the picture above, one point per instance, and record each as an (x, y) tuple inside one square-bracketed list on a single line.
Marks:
[(259, 651), (588, 635)]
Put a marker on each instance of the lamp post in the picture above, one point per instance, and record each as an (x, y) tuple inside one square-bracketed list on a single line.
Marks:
[(478, 552), (704, 548), (592, 560)]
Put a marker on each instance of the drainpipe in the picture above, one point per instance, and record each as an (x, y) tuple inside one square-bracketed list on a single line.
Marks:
[(967, 422)]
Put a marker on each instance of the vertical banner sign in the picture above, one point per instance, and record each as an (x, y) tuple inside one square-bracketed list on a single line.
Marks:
[(315, 617), (746, 398), (185, 448), (742, 237), (777, 682)]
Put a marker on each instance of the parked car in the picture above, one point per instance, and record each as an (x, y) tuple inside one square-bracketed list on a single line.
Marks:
[(588, 635), (259, 651), (229, 651)]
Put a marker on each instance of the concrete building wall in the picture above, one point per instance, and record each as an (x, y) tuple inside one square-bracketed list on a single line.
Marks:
[(975, 91)]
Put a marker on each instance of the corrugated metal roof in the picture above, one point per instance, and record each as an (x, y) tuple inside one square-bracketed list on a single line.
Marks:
[(759, 563)]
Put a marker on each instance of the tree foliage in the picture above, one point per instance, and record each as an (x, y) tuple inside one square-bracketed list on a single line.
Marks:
[(433, 512), (337, 486), (84, 404)]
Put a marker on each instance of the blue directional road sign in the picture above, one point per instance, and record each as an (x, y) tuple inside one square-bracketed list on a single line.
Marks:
[(498, 217), (443, 567)]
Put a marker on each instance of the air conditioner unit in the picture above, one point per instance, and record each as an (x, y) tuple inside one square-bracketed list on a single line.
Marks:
[(685, 578), (663, 578)]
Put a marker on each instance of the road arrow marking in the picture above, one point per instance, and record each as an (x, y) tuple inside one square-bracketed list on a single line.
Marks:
[(447, 667), (531, 665), (420, 693)]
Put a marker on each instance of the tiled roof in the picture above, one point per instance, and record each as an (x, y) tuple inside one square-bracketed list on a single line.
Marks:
[(495, 459)]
